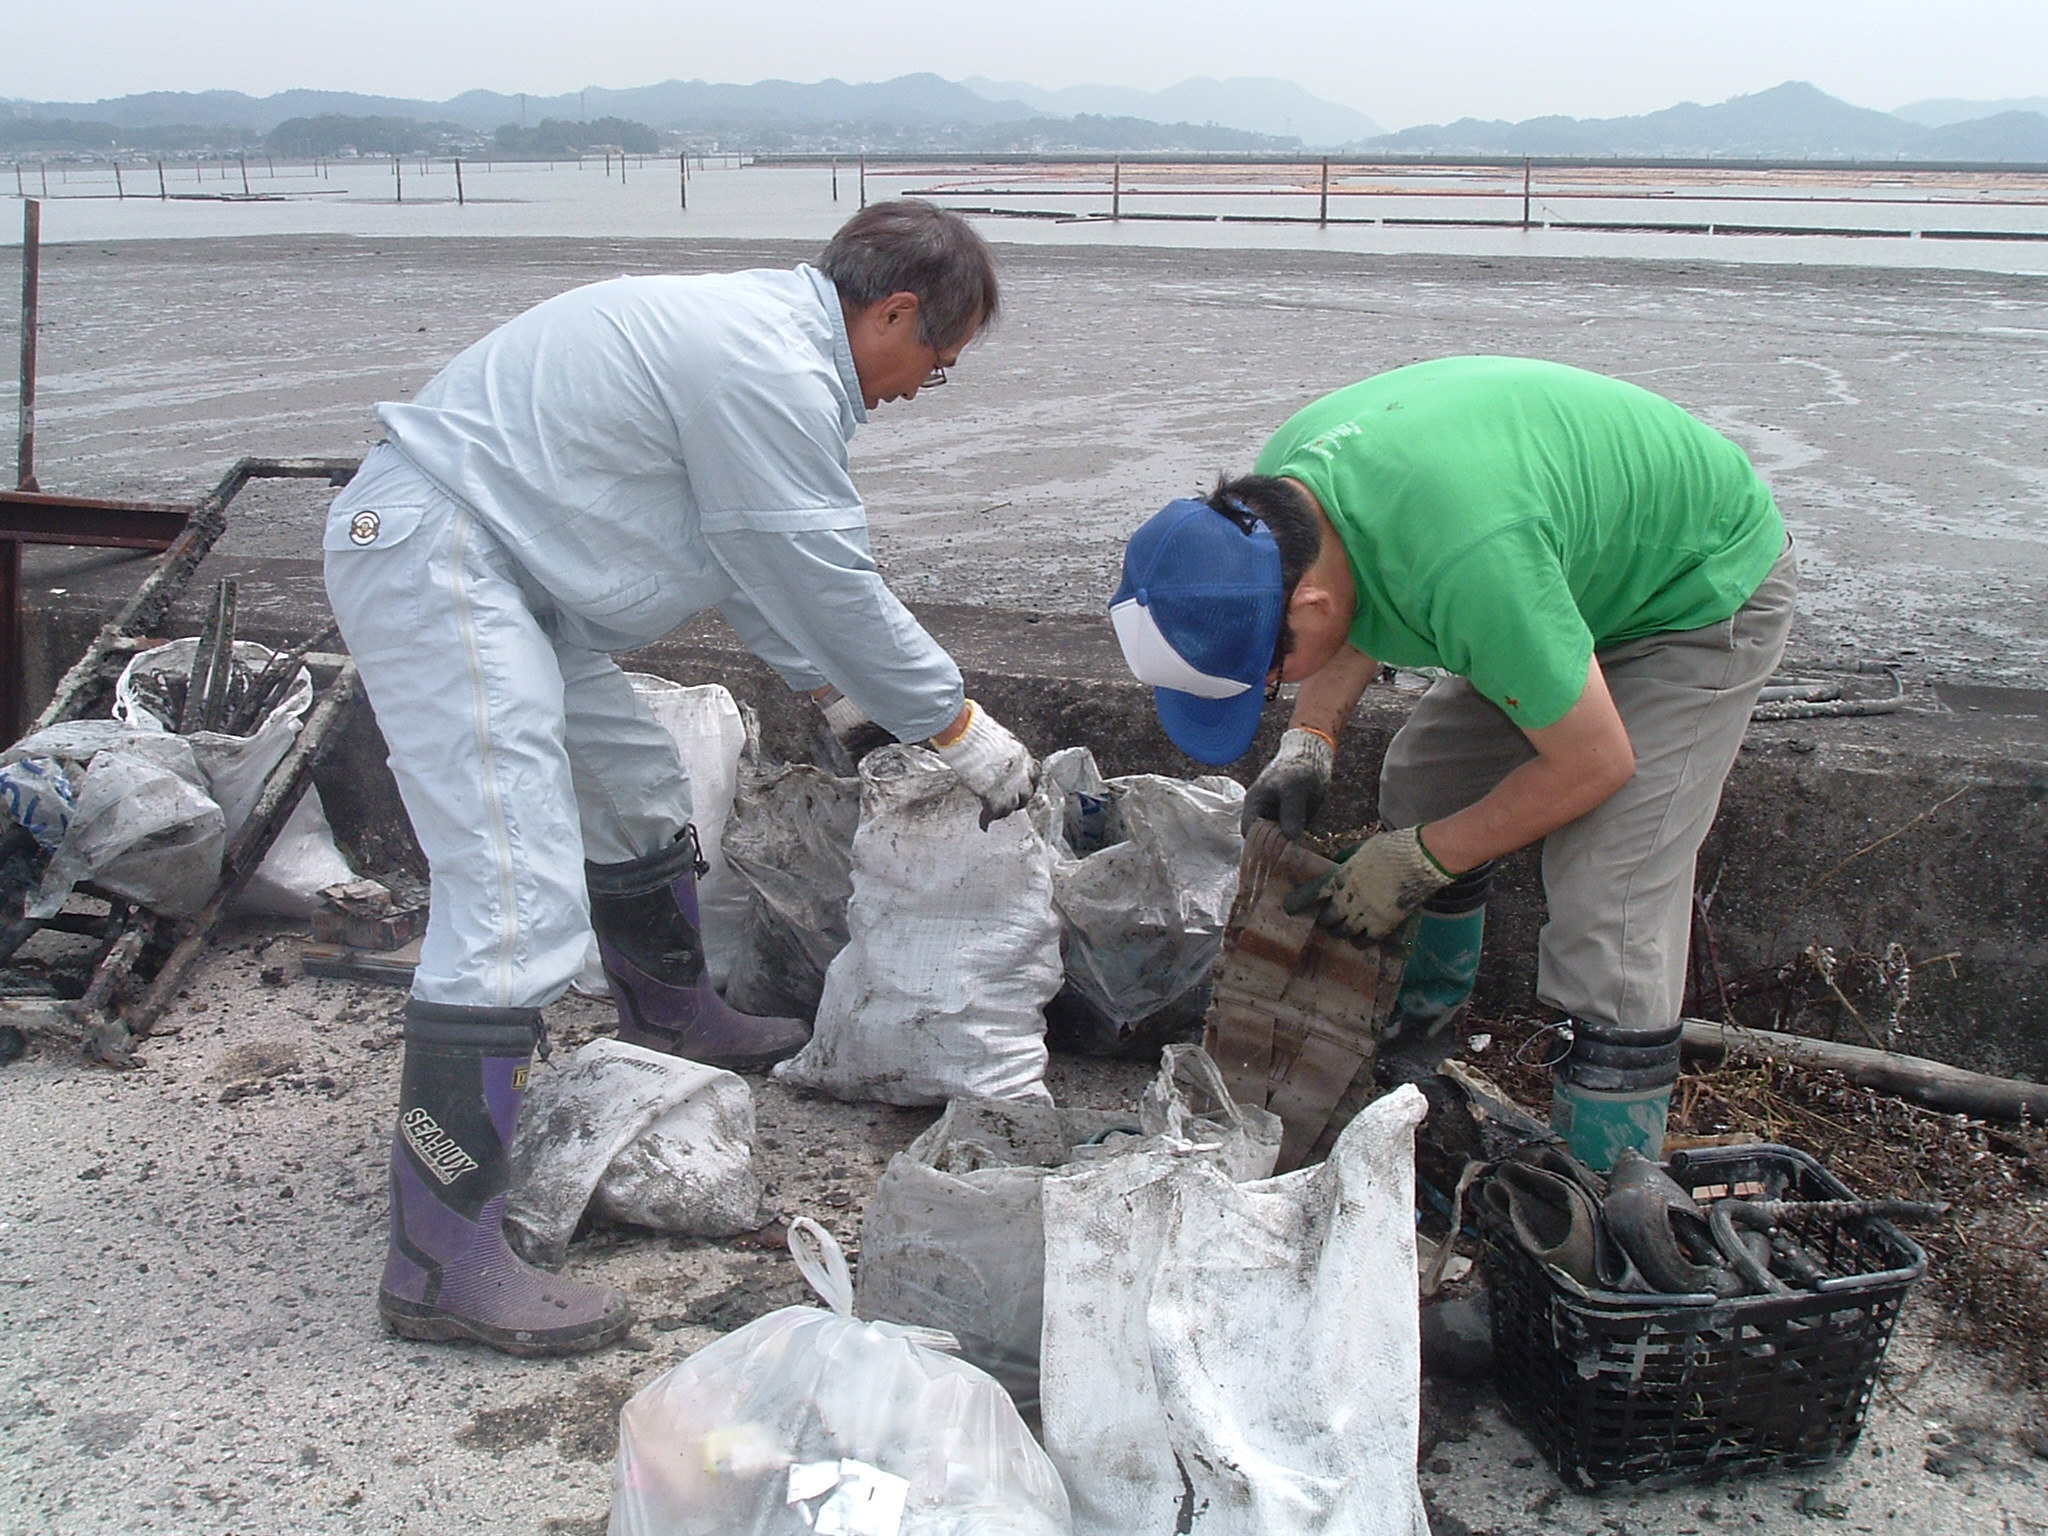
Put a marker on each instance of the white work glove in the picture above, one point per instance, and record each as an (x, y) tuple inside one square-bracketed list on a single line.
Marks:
[(1371, 893), (991, 762), (850, 728), (1294, 785)]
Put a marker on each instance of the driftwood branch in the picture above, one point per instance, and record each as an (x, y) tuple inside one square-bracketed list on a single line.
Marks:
[(1932, 1084)]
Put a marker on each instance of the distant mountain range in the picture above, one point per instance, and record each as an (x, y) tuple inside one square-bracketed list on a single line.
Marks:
[(1945, 110), (926, 113), (1256, 105), (1790, 121)]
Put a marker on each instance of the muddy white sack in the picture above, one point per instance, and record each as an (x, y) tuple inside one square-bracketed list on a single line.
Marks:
[(954, 1237), (634, 1136), (953, 948), (1230, 1359)]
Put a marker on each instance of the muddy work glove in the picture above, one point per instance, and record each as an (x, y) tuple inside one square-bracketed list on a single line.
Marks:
[(854, 731), (989, 761), (1294, 785), (1371, 893)]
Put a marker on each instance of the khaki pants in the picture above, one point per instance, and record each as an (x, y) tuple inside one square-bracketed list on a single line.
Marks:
[(1618, 881)]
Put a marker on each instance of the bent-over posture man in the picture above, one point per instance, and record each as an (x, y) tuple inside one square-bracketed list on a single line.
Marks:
[(1606, 582), (579, 482)]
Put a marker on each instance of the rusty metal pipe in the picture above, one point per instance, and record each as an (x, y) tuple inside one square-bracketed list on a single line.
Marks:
[(31, 270)]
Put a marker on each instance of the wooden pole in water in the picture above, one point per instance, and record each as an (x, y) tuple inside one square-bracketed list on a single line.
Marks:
[(683, 178), (18, 192), (119, 190), (46, 178), (245, 174), (458, 183), (31, 268), (398, 174), (1116, 190), (163, 190), (1525, 191), (863, 181), (1323, 211), (835, 178), (622, 168)]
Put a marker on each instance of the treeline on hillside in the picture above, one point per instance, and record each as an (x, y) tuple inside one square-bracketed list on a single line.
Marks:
[(58, 135), (556, 136), (332, 132)]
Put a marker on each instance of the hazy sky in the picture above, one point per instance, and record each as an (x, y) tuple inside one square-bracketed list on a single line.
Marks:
[(1403, 64)]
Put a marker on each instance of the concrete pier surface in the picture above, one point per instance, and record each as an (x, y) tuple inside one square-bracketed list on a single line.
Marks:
[(188, 1251)]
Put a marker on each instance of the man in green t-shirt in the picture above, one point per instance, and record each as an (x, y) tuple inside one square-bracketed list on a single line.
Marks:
[(1606, 582)]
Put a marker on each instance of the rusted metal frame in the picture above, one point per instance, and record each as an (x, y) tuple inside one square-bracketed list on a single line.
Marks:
[(30, 517), (107, 1035), (36, 517), (81, 687), (31, 268)]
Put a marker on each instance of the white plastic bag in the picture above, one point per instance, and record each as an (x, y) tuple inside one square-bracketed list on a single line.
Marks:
[(36, 795), (1228, 1359), (809, 1421), (790, 841), (303, 860), (709, 732), (954, 1237), (141, 824), (636, 1136), (1146, 873), (952, 951)]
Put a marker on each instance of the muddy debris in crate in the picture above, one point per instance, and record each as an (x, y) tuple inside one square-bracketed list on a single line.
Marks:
[(1987, 1277)]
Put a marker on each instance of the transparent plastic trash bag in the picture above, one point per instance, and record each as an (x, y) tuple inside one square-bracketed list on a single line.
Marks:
[(811, 1421)]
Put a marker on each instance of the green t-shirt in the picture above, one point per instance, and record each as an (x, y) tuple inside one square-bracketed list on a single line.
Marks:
[(1506, 518)]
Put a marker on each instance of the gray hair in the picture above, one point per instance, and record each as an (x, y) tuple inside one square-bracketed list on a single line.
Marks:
[(905, 245)]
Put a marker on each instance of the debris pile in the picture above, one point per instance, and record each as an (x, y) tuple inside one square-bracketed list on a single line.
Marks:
[(1987, 1269)]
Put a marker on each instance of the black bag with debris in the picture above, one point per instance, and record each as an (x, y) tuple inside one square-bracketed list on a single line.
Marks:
[(790, 841), (1143, 881)]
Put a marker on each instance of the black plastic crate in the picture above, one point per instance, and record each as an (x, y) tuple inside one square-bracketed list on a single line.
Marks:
[(1659, 1390)]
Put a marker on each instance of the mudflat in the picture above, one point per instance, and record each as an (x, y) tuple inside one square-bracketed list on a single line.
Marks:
[(1898, 414)]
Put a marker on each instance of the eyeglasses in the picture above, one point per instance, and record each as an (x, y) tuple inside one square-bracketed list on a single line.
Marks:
[(934, 379)]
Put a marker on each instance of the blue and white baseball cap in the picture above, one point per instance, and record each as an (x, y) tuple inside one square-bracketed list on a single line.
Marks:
[(1198, 614)]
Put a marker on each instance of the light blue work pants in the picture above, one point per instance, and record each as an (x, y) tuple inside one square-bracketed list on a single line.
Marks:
[(517, 757)]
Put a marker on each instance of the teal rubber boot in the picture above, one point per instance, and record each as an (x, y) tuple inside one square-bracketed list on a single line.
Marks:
[(1612, 1092), (1443, 965)]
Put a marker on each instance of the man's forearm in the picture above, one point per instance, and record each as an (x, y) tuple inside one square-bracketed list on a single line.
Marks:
[(1327, 699), (1533, 801), (1579, 762)]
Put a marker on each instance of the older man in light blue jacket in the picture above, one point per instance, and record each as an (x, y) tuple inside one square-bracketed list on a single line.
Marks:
[(579, 482)]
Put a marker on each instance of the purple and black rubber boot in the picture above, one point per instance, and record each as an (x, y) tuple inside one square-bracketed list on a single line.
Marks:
[(650, 939), (448, 1273)]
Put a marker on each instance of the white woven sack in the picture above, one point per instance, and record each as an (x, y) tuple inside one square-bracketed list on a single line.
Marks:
[(954, 1238), (710, 733), (636, 1136), (1228, 1359), (953, 948)]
